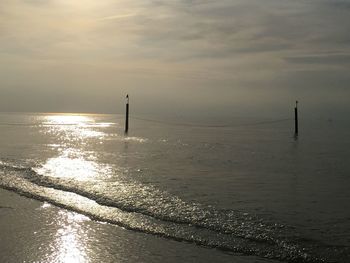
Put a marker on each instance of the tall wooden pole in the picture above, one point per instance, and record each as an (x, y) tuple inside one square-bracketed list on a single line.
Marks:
[(296, 118), (127, 115)]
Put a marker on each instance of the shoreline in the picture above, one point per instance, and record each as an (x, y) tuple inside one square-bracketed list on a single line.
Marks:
[(35, 231)]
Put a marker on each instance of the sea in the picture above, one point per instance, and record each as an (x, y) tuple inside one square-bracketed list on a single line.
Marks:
[(240, 186)]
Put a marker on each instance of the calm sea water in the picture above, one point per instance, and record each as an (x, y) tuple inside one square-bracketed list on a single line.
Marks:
[(248, 187)]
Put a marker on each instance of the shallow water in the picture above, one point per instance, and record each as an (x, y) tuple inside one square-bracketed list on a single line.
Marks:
[(247, 187), (33, 231)]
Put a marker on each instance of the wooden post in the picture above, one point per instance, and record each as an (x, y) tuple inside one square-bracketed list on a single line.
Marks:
[(296, 118), (127, 115)]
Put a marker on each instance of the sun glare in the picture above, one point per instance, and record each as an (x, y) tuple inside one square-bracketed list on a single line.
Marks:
[(68, 119), (70, 246), (75, 167)]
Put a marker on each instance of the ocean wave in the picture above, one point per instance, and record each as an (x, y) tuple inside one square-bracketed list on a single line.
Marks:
[(144, 208)]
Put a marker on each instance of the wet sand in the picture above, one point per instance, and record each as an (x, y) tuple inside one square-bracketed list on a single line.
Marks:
[(34, 231)]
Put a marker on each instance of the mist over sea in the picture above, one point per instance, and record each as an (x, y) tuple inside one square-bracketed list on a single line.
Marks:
[(244, 186)]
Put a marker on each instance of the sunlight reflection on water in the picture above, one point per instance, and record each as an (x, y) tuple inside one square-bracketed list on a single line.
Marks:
[(74, 127), (69, 238), (68, 119), (73, 164), (73, 161), (73, 168)]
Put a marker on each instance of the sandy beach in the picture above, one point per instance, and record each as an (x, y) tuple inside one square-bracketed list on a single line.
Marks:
[(34, 231)]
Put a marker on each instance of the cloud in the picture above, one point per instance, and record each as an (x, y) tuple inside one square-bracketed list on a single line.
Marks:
[(335, 59), (116, 17), (234, 46)]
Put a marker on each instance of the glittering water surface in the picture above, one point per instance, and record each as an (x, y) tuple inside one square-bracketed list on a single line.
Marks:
[(248, 187)]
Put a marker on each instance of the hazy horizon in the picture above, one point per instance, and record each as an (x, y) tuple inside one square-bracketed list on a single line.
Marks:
[(217, 58)]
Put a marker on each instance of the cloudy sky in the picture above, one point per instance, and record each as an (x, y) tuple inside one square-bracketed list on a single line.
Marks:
[(223, 57)]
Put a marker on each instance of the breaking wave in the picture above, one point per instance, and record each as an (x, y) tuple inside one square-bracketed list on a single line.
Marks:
[(145, 208)]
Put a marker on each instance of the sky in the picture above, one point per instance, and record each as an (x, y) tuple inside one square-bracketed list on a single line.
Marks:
[(176, 57)]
